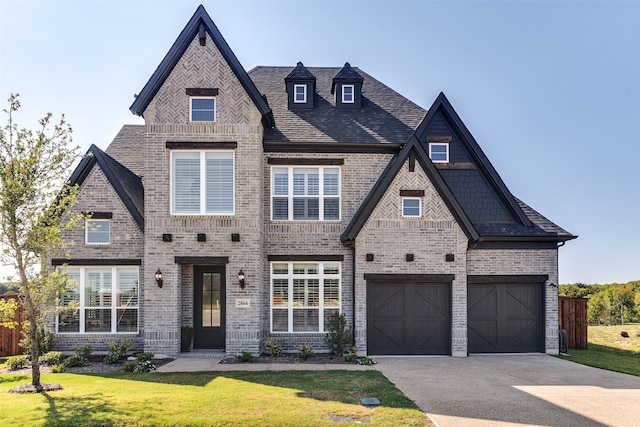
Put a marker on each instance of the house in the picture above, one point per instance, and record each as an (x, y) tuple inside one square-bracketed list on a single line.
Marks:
[(262, 203)]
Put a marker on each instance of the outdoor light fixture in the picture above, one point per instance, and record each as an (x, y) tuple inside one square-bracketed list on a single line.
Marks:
[(241, 278), (159, 279)]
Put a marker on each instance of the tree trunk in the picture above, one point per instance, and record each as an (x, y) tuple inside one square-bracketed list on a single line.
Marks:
[(33, 336)]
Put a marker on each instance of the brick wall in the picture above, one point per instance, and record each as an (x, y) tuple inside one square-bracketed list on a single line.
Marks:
[(237, 120)]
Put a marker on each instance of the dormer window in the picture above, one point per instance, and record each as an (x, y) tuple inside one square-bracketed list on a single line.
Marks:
[(300, 85), (299, 94), (347, 94), (347, 88)]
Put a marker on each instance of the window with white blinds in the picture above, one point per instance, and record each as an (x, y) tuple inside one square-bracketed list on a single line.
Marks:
[(305, 193), (202, 183), (100, 300)]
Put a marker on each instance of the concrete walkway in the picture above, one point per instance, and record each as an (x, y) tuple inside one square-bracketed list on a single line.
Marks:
[(516, 390), (212, 364)]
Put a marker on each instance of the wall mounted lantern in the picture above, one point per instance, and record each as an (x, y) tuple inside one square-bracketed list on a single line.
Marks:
[(159, 279), (241, 278)]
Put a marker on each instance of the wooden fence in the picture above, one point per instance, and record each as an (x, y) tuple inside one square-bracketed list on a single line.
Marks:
[(10, 338), (572, 313)]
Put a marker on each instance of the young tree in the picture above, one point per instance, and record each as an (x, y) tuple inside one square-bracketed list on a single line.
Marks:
[(33, 196)]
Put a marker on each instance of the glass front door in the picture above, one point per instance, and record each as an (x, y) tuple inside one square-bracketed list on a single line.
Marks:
[(209, 307)]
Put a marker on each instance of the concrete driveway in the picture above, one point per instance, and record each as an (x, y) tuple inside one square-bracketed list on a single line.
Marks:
[(510, 390)]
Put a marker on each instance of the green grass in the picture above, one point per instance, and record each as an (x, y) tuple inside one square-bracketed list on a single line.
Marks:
[(269, 398), (607, 349)]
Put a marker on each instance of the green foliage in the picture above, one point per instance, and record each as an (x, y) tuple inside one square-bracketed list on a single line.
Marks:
[(351, 355), (609, 304), (8, 309), (18, 362), (84, 350), (43, 334), (58, 369), (245, 357), (141, 364), (367, 361), (117, 350), (35, 207), (339, 337), (272, 347), (76, 361), (52, 358), (6, 288), (305, 351)]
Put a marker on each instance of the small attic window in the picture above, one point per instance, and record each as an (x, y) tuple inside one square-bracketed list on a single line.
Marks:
[(347, 94), (439, 152), (203, 109), (300, 94)]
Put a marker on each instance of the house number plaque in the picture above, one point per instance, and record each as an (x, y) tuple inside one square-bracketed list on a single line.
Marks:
[(243, 302)]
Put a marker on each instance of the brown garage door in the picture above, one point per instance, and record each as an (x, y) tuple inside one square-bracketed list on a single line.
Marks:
[(408, 314), (505, 314)]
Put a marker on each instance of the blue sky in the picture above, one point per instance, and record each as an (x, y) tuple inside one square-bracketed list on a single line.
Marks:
[(549, 89)]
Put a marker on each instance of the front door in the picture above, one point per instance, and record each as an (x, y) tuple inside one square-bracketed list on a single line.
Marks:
[(209, 307)]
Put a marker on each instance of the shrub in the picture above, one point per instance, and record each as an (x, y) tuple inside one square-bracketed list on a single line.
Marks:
[(339, 337), (18, 362), (366, 361), (144, 366), (305, 351), (245, 357), (58, 369), (272, 347), (75, 361), (351, 355), (45, 338), (117, 350), (84, 350), (144, 357), (51, 358), (130, 366)]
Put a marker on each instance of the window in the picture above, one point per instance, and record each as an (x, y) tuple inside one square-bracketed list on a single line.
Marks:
[(203, 109), (202, 183), (439, 152), (305, 297), (103, 300), (300, 94), (347, 94), (411, 207), (305, 193), (97, 231)]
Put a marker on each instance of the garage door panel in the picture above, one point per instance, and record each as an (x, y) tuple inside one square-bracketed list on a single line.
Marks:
[(505, 317), (389, 335), (409, 318)]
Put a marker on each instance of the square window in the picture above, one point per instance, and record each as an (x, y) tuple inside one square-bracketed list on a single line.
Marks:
[(411, 207), (97, 231), (439, 152), (203, 109), (347, 94), (299, 94)]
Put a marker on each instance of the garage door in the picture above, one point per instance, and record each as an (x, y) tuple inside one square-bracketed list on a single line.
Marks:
[(408, 315), (505, 315)]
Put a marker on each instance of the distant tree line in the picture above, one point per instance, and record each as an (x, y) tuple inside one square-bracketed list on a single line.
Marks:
[(7, 288), (609, 304)]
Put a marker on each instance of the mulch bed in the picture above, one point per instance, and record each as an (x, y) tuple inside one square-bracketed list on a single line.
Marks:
[(323, 358)]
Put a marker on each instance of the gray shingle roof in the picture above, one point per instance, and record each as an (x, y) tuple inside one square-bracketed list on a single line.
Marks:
[(128, 148), (385, 116)]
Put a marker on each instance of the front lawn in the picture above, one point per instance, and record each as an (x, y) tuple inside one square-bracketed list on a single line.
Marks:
[(608, 349), (268, 398)]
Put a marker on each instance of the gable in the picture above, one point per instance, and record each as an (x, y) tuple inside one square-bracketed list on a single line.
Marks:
[(126, 184), (202, 31)]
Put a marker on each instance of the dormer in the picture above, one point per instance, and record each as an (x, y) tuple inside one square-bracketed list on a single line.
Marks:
[(300, 85), (347, 88)]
